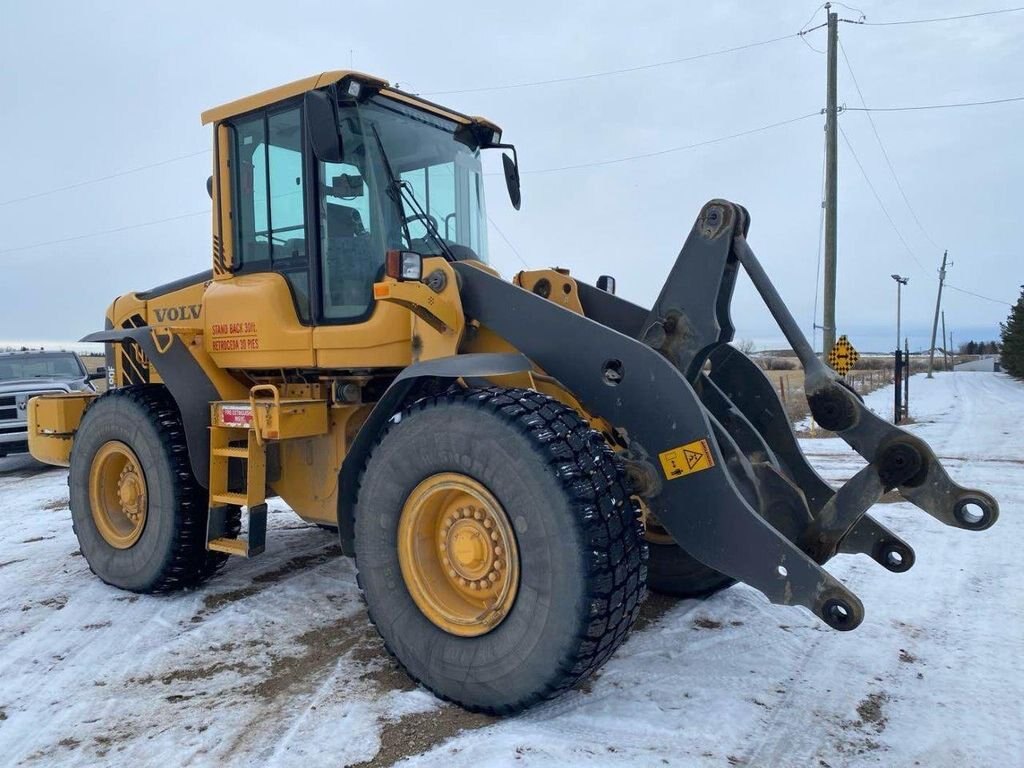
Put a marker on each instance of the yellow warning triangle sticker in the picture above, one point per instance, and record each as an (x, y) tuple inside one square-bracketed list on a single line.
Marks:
[(692, 457), (687, 459)]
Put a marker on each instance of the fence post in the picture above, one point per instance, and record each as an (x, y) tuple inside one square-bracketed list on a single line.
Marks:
[(897, 406), (782, 389), (906, 379)]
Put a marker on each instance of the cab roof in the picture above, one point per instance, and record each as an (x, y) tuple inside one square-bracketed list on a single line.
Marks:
[(282, 92)]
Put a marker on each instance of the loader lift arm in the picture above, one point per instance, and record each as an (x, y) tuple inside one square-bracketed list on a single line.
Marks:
[(748, 505)]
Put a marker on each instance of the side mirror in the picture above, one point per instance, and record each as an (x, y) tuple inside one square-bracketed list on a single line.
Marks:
[(322, 126), (512, 179), (101, 373), (606, 283)]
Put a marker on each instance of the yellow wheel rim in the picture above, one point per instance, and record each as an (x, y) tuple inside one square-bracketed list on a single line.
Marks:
[(117, 494), (458, 554)]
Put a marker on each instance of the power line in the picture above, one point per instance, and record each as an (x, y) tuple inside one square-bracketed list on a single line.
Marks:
[(804, 31), (98, 179), (879, 200), (508, 242), (669, 150), (885, 154), (941, 18), (607, 73), (978, 295), (935, 106), (896, 229), (103, 232)]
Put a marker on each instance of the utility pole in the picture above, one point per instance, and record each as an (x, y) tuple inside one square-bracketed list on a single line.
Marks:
[(945, 349), (935, 322), (828, 322), (900, 282)]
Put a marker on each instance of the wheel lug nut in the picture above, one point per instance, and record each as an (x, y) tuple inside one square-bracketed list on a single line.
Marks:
[(488, 523), (478, 515), (497, 551), (499, 565), (451, 572), (494, 535)]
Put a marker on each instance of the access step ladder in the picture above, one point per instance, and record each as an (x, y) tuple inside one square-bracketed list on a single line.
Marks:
[(239, 432)]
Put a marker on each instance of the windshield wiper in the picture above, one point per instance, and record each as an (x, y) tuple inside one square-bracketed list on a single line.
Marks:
[(401, 190)]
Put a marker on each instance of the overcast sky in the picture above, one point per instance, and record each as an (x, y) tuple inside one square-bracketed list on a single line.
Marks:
[(91, 89)]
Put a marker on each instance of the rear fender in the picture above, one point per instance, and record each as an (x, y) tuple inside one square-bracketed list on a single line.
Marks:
[(189, 384)]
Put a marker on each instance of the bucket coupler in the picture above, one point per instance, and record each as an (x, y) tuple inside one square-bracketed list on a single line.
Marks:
[(713, 454)]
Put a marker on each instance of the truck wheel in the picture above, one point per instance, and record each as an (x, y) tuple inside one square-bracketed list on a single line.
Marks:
[(498, 550), (137, 509)]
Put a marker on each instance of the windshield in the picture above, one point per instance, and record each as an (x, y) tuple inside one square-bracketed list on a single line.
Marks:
[(363, 214), (440, 174), (39, 366)]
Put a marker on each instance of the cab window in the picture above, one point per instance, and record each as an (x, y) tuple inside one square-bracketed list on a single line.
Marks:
[(270, 199)]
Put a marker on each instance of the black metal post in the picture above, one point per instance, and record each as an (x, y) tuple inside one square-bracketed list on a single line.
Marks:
[(897, 408)]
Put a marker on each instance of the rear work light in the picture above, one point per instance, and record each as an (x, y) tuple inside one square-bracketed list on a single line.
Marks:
[(403, 265)]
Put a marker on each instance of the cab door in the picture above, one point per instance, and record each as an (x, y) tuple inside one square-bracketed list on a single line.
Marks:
[(353, 330)]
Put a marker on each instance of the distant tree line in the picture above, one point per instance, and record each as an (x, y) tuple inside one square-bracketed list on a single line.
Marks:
[(979, 348), (1013, 339)]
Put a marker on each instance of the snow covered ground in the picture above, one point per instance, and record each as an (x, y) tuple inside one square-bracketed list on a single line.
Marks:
[(275, 663)]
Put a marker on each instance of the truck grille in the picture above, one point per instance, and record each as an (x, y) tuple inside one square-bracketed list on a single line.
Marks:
[(9, 410)]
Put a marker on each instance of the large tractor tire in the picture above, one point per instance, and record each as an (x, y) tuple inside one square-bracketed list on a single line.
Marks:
[(137, 509), (672, 571), (500, 555)]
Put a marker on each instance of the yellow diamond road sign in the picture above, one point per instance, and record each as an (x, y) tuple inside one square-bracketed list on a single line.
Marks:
[(843, 356)]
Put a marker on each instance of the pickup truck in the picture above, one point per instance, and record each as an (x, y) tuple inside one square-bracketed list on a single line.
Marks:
[(24, 375)]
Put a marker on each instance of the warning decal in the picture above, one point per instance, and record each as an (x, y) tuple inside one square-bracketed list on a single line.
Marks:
[(686, 459)]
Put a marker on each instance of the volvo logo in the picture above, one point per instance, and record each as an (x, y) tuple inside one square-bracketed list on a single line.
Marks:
[(177, 314)]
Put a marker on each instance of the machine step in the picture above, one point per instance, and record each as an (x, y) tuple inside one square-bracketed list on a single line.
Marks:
[(229, 546), (232, 452), (252, 545), (265, 416), (229, 498)]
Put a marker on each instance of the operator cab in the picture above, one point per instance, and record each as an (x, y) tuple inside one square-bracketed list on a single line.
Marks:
[(404, 174)]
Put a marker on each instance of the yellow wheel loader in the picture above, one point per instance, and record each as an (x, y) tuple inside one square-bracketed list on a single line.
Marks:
[(510, 463)]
